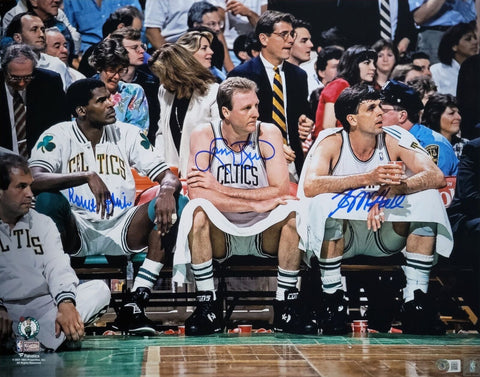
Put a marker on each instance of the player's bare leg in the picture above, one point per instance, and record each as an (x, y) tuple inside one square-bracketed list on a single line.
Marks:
[(206, 241), (289, 313)]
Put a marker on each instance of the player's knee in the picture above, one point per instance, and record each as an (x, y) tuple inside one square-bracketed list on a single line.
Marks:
[(423, 229), (291, 221), (200, 221), (333, 229)]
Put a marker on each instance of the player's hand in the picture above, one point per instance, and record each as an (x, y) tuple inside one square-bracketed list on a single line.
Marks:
[(237, 8), (388, 174), (305, 126), (269, 204), (103, 197), (289, 153), (69, 321), (375, 218), (5, 325), (202, 179), (165, 209)]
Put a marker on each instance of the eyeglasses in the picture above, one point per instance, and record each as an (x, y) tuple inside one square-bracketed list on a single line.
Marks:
[(285, 34), (137, 48), (120, 71), (213, 24), (15, 78)]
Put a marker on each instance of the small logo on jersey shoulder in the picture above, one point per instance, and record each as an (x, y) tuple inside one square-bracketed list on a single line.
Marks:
[(46, 144), (433, 150), (28, 327), (145, 142)]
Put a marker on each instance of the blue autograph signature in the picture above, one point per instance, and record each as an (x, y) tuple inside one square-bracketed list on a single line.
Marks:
[(364, 200), (90, 206), (243, 159)]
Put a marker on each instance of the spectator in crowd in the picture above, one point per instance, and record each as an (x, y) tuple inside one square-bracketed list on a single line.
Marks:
[(351, 163), (203, 13), (246, 47), (187, 99), (401, 106), (387, 57), (110, 60), (51, 15), (301, 52), (199, 42), (434, 17), (464, 214), (457, 44), (83, 181), (424, 86), (326, 68), (441, 115), (166, 20), (38, 90), (422, 60), (406, 72), (28, 28), (238, 205), (139, 73), (122, 17), (360, 22), (57, 45), (241, 17), (89, 16), (357, 65), (41, 284), (468, 97), (284, 100)]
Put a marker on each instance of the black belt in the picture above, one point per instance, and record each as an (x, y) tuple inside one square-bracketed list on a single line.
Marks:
[(437, 28)]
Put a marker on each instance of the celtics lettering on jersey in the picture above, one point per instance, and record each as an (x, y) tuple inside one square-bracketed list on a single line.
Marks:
[(21, 239), (106, 164), (244, 168)]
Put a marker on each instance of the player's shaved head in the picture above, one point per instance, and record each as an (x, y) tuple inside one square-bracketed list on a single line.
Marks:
[(80, 93)]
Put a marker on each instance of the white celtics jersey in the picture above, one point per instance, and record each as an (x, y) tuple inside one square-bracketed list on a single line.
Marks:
[(244, 169), (63, 148), (349, 164)]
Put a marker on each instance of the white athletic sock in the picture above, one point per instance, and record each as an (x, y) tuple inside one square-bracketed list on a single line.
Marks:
[(286, 279), (147, 274), (203, 273), (331, 275), (417, 272)]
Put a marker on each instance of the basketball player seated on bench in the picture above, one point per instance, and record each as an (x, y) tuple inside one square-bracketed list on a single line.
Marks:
[(82, 175), (238, 184), (356, 157)]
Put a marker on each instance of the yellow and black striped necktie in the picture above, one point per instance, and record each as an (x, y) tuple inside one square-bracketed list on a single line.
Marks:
[(278, 108)]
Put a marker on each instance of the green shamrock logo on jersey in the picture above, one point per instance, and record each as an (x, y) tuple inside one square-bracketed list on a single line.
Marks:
[(46, 144), (145, 142)]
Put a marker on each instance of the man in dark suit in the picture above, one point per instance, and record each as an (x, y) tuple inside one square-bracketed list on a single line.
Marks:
[(41, 92), (275, 33)]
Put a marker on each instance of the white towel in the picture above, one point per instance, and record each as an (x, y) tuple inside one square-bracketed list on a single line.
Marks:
[(182, 258)]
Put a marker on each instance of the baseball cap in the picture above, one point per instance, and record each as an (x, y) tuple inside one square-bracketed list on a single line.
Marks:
[(399, 94)]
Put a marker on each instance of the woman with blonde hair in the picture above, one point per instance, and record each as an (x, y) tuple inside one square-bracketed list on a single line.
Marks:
[(199, 43), (187, 99)]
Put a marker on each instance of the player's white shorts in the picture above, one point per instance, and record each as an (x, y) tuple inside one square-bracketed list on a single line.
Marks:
[(106, 237), (361, 241), (239, 245)]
